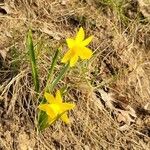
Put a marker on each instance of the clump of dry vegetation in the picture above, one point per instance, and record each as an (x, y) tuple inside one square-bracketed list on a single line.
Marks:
[(111, 91)]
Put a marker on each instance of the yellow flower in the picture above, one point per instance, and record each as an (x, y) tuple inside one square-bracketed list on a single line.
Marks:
[(56, 108), (77, 48)]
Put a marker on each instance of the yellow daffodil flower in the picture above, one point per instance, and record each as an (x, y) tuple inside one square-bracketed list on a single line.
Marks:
[(77, 48), (55, 108)]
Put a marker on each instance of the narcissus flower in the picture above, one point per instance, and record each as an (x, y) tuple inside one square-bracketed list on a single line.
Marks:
[(55, 108), (77, 48)]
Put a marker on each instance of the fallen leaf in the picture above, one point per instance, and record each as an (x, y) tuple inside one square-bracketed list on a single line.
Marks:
[(124, 127), (126, 115), (147, 106), (97, 101), (108, 98), (54, 34), (5, 9), (3, 53)]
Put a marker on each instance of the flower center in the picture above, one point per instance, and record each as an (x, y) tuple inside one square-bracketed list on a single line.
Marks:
[(55, 108), (75, 50)]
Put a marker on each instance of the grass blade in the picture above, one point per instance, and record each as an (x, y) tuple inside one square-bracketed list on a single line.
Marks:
[(58, 78), (33, 61), (54, 61)]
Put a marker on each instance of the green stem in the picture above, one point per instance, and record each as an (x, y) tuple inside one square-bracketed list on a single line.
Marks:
[(58, 78), (33, 61), (54, 61)]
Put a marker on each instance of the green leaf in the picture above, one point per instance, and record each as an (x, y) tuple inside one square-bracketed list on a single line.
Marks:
[(58, 78), (31, 51), (42, 120), (54, 61)]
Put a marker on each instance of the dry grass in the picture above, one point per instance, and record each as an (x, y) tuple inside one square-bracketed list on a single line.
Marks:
[(121, 63)]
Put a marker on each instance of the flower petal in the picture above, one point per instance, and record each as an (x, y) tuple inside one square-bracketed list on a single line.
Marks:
[(70, 42), (73, 60), (58, 97), (49, 97), (67, 56), (56, 108), (43, 107), (87, 41), (66, 106), (80, 35), (47, 108), (85, 53), (65, 118), (51, 120)]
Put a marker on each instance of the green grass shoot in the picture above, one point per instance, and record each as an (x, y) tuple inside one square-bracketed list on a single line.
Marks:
[(31, 51)]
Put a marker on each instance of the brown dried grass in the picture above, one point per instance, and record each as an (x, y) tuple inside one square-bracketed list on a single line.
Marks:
[(120, 61)]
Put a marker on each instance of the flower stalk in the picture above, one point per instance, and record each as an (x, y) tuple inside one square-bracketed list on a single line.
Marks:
[(53, 108), (58, 78)]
